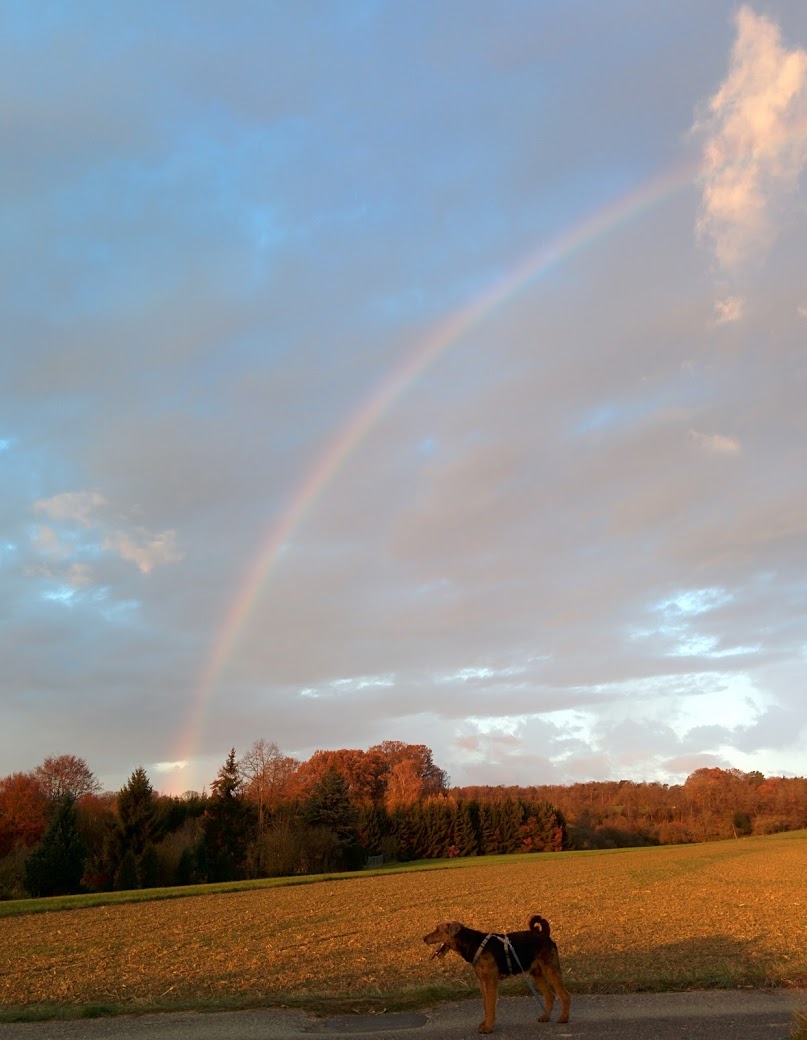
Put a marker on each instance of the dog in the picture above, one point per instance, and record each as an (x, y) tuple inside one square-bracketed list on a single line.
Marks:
[(496, 956)]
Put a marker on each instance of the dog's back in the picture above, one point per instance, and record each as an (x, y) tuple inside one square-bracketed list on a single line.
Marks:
[(524, 947)]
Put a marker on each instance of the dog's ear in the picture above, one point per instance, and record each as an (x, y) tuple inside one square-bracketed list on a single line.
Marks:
[(452, 928)]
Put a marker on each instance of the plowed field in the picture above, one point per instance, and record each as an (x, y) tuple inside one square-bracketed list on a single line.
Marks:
[(726, 914)]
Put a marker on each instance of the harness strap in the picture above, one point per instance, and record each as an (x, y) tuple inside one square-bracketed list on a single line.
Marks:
[(482, 945), (506, 945), (508, 949), (527, 976)]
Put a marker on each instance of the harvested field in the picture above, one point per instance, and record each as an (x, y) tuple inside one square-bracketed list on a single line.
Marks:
[(724, 914)]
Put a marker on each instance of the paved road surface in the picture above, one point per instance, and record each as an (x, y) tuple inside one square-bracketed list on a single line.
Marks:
[(737, 1015)]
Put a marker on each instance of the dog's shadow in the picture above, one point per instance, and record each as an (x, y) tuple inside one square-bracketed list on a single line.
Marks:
[(716, 962)]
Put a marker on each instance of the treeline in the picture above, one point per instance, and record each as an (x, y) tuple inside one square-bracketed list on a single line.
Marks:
[(268, 814), (711, 805)]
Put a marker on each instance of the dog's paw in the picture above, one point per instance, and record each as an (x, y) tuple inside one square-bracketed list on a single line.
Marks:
[(485, 1028)]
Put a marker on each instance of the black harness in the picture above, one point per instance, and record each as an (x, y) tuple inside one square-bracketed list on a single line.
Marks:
[(510, 955)]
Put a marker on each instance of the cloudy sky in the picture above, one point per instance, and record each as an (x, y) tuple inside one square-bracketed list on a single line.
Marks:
[(404, 370)]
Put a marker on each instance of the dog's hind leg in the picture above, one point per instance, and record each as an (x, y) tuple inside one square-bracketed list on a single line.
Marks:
[(546, 992), (564, 996)]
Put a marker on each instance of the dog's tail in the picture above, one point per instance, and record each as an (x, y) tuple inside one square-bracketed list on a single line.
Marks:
[(540, 924)]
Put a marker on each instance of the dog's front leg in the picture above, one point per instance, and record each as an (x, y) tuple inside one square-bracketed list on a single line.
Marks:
[(488, 976)]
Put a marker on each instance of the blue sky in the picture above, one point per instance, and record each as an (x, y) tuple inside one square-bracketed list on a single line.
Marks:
[(570, 546)]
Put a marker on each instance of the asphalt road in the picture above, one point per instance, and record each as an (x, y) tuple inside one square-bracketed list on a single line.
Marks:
[(711, 1015)]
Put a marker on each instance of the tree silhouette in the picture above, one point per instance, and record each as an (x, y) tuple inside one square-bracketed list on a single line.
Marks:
[(329, 808), (62, 775), (126, 875), (56, 865), (226, 824), (136, 808)]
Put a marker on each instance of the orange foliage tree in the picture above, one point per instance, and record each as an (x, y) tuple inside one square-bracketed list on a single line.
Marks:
[(23, 812)]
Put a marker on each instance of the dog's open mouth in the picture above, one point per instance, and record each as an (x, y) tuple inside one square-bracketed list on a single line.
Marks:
[(440, 951)]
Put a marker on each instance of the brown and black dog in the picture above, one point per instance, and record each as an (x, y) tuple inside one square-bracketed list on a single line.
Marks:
[(494, 956)]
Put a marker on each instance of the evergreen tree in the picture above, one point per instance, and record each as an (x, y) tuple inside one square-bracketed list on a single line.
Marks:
[(371, 827), (148, 868), (488, 828), (542, 828), (226, 825), (397, 843), (464, 830), (512, 813), (438, 829), (329, 807), (185, 868), (126, 877), (55, 867), (136, 811)]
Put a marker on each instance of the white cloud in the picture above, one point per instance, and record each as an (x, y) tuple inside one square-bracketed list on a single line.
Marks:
[(694, 601), (48, 543), (78, 506), (756, 145), (715, 443), (85, 509), (79, 575), (729, 309), (147, 553)]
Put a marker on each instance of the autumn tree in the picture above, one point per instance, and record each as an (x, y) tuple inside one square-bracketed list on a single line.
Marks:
[(23, 812), (266, 773), (404, 784), (363, 772), (433, 780), (61, 775), (263, 770)]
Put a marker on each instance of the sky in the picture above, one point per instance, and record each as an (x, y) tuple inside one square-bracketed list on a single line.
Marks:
[(404, 371)]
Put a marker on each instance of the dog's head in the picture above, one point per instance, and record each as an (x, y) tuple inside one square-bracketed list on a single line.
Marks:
[(444, 937)]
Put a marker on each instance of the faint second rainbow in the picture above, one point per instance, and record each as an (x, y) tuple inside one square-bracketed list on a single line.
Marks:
[(443, 335)]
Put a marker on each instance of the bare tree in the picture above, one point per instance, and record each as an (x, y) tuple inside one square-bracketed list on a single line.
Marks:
[(61, 775), (266, 772)]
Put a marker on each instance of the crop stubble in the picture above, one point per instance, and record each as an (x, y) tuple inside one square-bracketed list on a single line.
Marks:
[(729, 914)]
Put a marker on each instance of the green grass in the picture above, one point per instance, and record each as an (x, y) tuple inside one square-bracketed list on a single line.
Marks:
[(51, 904)]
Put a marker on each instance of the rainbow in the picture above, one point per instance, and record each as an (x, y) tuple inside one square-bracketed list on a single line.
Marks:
[(439, 339)]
